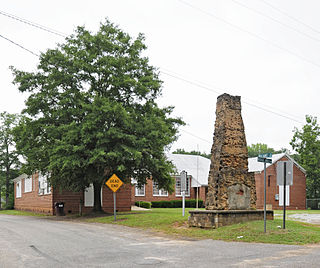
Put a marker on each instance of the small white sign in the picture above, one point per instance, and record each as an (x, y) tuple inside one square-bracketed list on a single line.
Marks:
[(183, 179)]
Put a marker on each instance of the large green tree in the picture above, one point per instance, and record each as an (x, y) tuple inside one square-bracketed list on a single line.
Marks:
[(260, 148), (92, 112), (306, 142), (8, 155)]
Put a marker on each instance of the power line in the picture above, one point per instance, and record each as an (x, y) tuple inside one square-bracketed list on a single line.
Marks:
[(191, 134), (290, 16), (275, 20), (33, 24), (33, 53), (251, 33), (220, 92)]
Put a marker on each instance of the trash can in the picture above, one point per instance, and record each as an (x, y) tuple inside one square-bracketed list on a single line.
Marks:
[(59, 208)]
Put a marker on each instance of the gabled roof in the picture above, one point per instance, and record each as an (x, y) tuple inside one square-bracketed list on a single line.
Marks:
[(196, 166), (22, 176), (255, 166)]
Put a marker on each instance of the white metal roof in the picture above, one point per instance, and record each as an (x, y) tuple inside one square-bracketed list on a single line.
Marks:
[(22, 176), (196, 166), (255, 166)]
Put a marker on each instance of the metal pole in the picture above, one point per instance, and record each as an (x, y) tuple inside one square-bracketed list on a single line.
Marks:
[(114, 206), (197, 206), (284, 193), (183, 202), (264, 202)]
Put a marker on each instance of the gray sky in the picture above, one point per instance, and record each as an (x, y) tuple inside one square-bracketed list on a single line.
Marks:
[(241, 47)]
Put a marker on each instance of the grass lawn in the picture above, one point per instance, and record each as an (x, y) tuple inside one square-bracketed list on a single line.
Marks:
[(21, 213), (170, 221)]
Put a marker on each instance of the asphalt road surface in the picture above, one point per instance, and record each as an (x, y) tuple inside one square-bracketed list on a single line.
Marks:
[(36, 242)]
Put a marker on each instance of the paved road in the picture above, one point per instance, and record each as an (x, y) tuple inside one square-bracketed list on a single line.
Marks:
[(36, 242)]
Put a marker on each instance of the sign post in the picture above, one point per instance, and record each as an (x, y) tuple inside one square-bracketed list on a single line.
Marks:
[(183, 182), (114, 183), (284, 177), (265, 158)]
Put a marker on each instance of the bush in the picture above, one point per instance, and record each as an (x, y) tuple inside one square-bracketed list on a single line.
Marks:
[(189, 203), (143, 204)]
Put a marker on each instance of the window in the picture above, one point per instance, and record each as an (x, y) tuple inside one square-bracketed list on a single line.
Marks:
[(18, 189), (269, 178), (140, 191), (28, 185), (44, 185), (157, 191), (178, 186), (88, 196)]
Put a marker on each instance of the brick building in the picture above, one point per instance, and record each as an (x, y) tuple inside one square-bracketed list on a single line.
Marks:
[(33, 193), (197, 168), (295, 194)]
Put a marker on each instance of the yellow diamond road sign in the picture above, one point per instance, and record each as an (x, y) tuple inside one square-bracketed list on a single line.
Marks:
[(114, 183)]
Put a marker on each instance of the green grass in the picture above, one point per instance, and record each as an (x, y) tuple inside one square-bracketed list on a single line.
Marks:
[(21, 213), (170, 221), (291, 212)]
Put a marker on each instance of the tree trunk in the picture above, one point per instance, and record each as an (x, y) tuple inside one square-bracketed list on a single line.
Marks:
[(7, 186), (97, 197)]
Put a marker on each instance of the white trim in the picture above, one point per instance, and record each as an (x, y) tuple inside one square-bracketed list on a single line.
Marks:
[(28, 184), (136, 190), (18, 189), (155, 185)]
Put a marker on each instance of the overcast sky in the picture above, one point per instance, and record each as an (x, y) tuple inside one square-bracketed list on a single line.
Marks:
[(266, 51)]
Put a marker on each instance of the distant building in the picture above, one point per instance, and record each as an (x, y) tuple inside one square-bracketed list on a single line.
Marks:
[(197, 168), (295, 194), (33, 193)]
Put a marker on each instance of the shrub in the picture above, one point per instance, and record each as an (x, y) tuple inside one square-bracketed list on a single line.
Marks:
[(189, 203), (143, 204)]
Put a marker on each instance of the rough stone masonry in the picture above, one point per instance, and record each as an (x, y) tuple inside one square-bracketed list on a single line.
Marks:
[(230, 185)]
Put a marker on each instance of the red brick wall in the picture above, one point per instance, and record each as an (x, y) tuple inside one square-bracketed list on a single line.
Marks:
[(72, 200), (297, 190), (32, 201), (45, 203), (123, 198), (149, 194)]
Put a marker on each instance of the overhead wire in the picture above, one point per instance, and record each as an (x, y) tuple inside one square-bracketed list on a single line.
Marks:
[(250, 33), (33, 24), (275, 20), (16, 44), (164, 71), (211, 89), (290, 16)]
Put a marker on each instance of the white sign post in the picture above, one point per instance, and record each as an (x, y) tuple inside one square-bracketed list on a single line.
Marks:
[(183, 182)]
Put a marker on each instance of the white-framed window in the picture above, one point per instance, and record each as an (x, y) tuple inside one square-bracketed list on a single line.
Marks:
[(157, 191), (89, 196), (178, 186), (140, 191), (18, 189), (44, 185), (28, 185)]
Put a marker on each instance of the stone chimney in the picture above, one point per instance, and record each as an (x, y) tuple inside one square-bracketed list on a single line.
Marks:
[(230, 185)]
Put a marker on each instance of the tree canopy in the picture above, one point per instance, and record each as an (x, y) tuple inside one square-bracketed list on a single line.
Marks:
[(306, 142), (193, 152), (92, 112), (260, 148)]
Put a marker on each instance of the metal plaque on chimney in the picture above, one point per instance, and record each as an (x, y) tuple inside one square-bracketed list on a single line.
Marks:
[(183, 180), (280, 172)]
